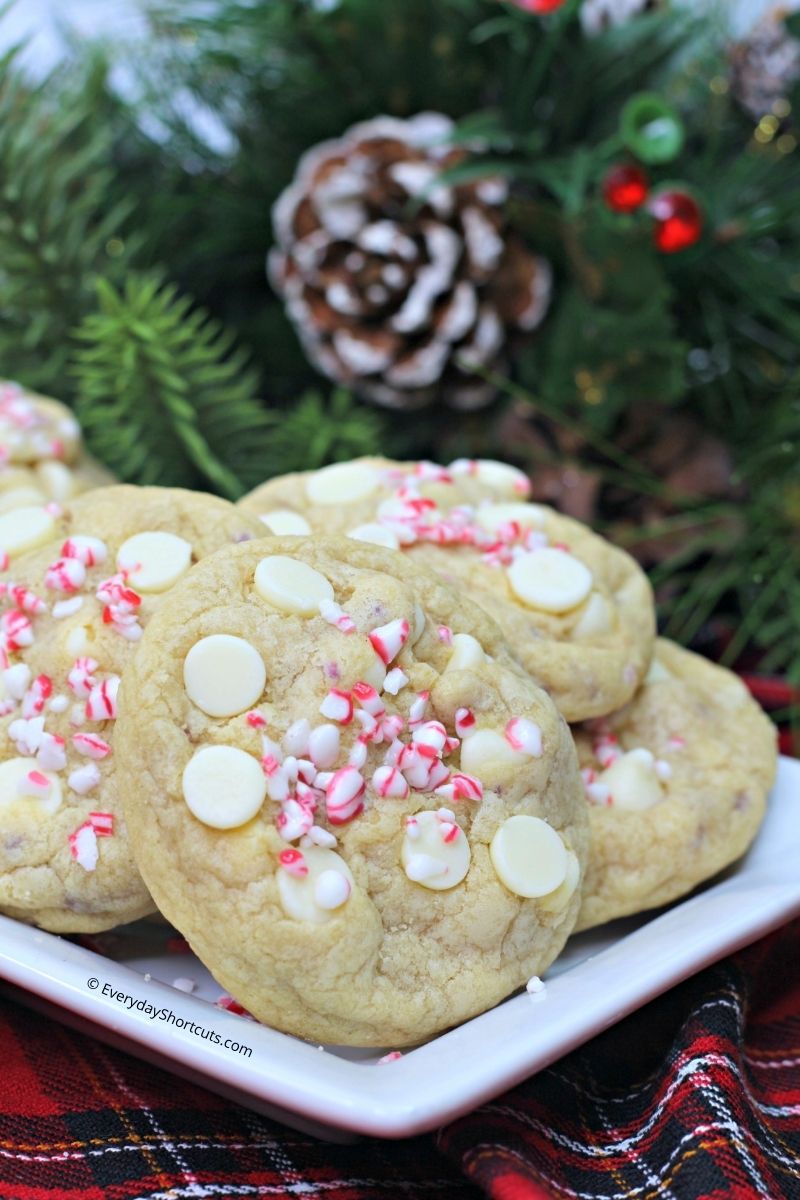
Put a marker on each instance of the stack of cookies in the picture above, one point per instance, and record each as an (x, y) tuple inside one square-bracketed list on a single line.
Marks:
[(326, 733)]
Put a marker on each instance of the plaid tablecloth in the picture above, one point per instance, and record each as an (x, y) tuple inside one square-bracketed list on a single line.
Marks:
[(694, 1097)]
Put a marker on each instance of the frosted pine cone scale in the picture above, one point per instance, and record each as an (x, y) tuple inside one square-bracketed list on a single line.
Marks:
[(397, 282)]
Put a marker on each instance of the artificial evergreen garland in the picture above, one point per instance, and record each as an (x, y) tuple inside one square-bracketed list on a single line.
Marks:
[(98, 192)]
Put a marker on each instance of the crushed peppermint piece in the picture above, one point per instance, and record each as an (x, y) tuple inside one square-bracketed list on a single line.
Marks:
[(445, 635), (388, 640), (101, 703), (391, 1057), (184, 984), (83, 846), (294, 863), (395, 681), (535, 986), (338, 706), (344, 795), (66, 608), (524, 736), (90, 745), (389, 782), (84, 779), (331, 612)]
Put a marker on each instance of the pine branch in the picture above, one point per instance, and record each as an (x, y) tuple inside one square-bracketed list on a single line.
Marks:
[(163, 395)]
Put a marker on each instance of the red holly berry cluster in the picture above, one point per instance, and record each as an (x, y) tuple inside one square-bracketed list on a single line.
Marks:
[(677, 216)]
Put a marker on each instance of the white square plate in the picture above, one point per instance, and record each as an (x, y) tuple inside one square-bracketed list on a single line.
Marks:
[(601, 977)]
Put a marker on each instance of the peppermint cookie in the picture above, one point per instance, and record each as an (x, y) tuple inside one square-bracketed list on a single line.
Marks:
[(576, 611), (71, 616), (40, 451), (677, 783), (360, 811)]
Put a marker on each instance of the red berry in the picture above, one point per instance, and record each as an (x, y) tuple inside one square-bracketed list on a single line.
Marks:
[(679, 221), (538, 6), (625, 188)]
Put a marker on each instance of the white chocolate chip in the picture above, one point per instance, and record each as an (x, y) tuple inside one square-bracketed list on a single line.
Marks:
[(486, 754), (14, 773), (551, 580), (502, 477), (25, 528), (377, 535), (418, 627), (633, 781), (527, 516), (224, 675), (342, 483), (291, 586), (224, 787), (428, 859), (558, 900), (657, 673), (57, 479), (313, 897), (529, 856), (154, 560), (467, 654), (595, 619), (283, 522)]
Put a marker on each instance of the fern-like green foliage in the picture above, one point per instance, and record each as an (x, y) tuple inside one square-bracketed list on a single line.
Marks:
[(61, 222), (165, 397)]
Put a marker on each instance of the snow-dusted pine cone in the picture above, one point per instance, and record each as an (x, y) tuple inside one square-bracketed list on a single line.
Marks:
[(766, 65), (394, 281)]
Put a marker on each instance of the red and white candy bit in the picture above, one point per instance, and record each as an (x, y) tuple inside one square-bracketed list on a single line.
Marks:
[(391, 1057), (80, 678), (5, 560), (65, 575), (330, 611), (52, 755), (27, 734), (416, 713), (431, 472), (676, 742), (37, 695), (416, 765), (35, 784), (358, 754), (368, 698), (294, 863), (606, 749), (388, 640), (445, 635), (84, 779), (337, 706), (392, 726), (101, 703), (370, 728), (464, 722), (323, 746), (395, 681), (438, 775), (344, 795), (389, 782), (16, 630), (87, 550), (27, 600), (255, 720), (16, 680), (83, 846), (102, 823), (317, 836), (430, 735), (67, 608), (525, 736), (413, 831), (294, 820), (295, 740), (120, 606), (461, 787), (233, 1006), (91, 746)]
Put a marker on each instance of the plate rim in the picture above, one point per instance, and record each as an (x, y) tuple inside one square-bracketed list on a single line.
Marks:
[(406, 1097)]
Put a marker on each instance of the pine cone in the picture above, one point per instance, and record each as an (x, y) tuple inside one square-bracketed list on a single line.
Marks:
[(766, 65), (393, 280)]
